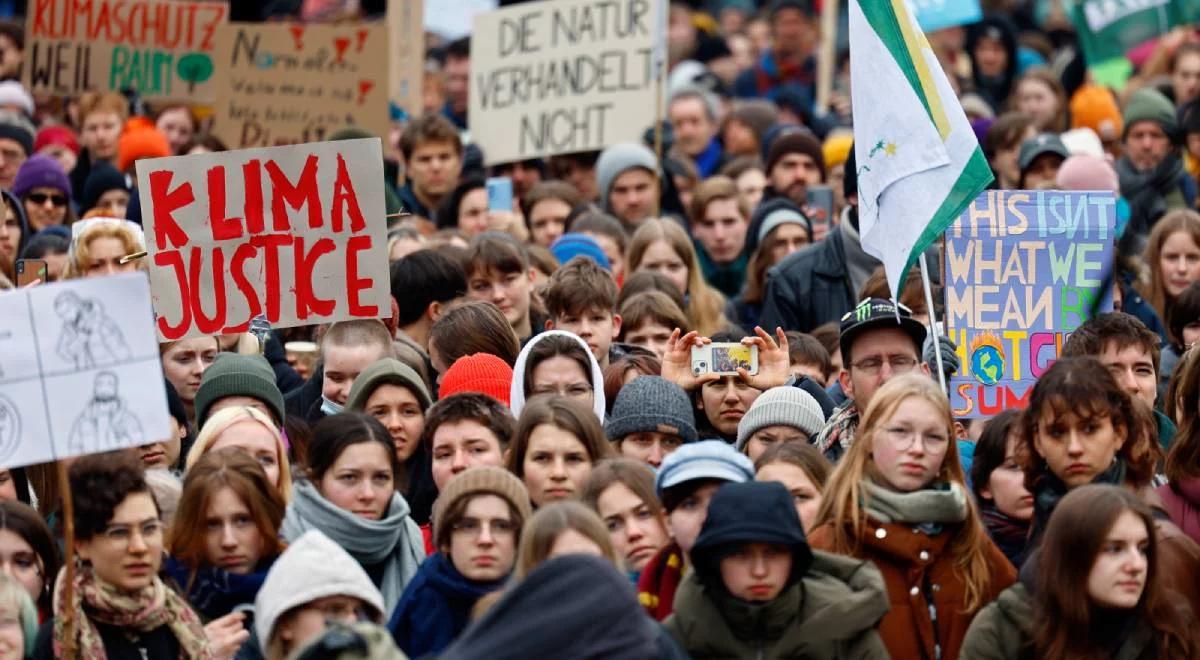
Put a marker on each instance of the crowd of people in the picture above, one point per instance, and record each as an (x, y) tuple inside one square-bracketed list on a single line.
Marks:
[(521, 459)]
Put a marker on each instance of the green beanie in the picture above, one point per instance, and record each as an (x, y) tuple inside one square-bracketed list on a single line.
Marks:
[(232, 374), (386, 371), (1149, 104)]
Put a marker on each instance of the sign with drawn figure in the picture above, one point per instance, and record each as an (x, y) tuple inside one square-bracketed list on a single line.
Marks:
[(1023, 269), (296, 233), (559, 76), (79, 370), (283, 83), (161, 48)]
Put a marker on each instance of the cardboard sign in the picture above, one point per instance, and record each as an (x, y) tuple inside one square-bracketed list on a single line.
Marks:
[(1023, 270), (938, 14), (1109, 28), (296, 233), (161, 48), (79, 370), (406, 44), (290, 84), (560, 76)]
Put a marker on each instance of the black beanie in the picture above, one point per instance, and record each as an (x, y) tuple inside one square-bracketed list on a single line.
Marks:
[(750, 512), (103, 178), (799, 140)]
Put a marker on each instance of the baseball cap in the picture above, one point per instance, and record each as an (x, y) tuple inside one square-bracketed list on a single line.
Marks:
[(1046, 143), (876, 313), (707, 459)]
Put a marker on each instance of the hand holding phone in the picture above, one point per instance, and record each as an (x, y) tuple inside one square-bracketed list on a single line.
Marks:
[(31, 271), (724, 359), (500, 194)]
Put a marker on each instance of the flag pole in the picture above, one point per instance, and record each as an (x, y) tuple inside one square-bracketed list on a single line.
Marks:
[(933, 332), (828, 53), (658, 64)]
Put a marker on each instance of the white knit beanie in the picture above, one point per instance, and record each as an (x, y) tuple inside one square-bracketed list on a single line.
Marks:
[(312, 567), (781, 406), (617, 159)]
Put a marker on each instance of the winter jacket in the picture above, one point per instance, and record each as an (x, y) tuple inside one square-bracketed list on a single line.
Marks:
[(921, 574), (119, 644), (436, 607), (1181, 501), (831, 613), (809, 288)]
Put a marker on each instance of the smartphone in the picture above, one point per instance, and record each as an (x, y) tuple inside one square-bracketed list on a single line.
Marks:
[(500, 193), (30, 270), (724, 359), (820, 204)]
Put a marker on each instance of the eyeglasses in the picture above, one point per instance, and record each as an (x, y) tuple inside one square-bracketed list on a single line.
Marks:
[(900, 364), (903, 439), (473, 527), (340, 611), (40, 198), (122, 535)]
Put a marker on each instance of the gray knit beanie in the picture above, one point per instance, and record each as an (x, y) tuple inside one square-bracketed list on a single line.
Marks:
[(651, 404), (781, 406), (232, 374), (617, 159)]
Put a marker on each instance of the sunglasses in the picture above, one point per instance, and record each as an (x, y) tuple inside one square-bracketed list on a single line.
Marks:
[(40, 198)]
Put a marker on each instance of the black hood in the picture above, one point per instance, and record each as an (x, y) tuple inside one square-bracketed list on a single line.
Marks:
[(995, 92), (19, 210)]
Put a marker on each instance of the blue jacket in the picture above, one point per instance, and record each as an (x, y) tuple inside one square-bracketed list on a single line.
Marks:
[(436, 607)]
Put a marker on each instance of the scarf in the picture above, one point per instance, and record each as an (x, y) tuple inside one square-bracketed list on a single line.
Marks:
[(928, 508), (95, 602), (214, 592), (394, 541), (436, 607), (1146, 190), (659, 581), (834, 440), (1008, 533), (1048, 490)]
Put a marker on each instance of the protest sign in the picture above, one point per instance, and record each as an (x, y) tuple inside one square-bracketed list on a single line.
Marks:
[(938, 14), (1023, 270), (560, 76), (289, 84), (161, 48), (79, 370), (1109, 28), (406, 43), (297, 233)]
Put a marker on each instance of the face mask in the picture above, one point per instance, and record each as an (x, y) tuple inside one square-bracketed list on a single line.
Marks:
[(330, 407)]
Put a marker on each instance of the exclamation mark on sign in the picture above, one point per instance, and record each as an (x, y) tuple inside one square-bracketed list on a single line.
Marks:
[(362, 39), (298, 36), (341, 44), (364, 86)]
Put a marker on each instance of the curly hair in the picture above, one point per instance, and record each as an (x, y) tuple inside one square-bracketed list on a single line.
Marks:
[(99, 484)]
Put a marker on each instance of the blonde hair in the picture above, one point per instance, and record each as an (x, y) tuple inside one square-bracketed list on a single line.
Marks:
[(706, 306), (1179, 220), (87, 231), (220, 421), (15, 599), (845, 497), (549, 523)]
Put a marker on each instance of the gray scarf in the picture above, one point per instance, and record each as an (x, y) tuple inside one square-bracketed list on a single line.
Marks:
[(395, 539), (944, 503), (859, 264)]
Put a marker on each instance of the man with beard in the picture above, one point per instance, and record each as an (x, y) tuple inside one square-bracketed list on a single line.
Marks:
[(1152, 176), (795, 161), (105, 422)]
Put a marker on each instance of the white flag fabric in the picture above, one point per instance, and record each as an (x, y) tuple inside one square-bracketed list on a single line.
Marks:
[(919, 163)]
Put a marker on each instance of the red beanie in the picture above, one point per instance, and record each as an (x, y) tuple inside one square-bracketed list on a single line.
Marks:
[(138, 144), (57, 134), (482, 373)]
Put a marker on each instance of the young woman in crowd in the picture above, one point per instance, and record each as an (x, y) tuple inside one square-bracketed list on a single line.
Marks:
[(1100, 589), (469, 328), (782, 229), (546, 208), (184, 362), (1181, 494), (226, 532), (119, 605), (560, 363), (664, 246), (647, 320), (498, 271), (314, 584), (465, 208), (999, 486), (557, 443), (1081, 427), (802, 469), (178, 123), (779, 415), (45, 191), (1002, 143), (251, 431), (1173, 258), (562, 528), (349, 494), (393, 393), (759, 591), (621, 492), (898, 498), (1040, 94), (18, 621), (15, 234), (621, 371), (28, 553), (477, 525), (99, 244)]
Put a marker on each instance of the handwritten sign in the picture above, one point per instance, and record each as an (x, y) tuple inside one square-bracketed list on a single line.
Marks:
[(283, 84), (1023, 270), (296, 233), (938, 14), (79, 370), (406, 41), (161, 48), (560, 76)]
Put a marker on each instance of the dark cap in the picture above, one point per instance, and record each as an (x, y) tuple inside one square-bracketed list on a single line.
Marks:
[(876, 313), (805, 6), (1046, 143)]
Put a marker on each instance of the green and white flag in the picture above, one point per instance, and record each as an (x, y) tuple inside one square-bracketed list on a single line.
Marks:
[(919, 164)]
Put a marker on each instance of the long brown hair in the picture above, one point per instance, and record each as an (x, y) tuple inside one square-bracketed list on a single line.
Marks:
[(223, 468), (570, 416), (845, 496), (1074, 537), (1183, 407), (635, 475), (1185, 220), (544, 528), (705, 306)]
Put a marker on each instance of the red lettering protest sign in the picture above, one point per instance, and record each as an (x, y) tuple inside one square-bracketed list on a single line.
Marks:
[(161, 48), (297, 233)]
